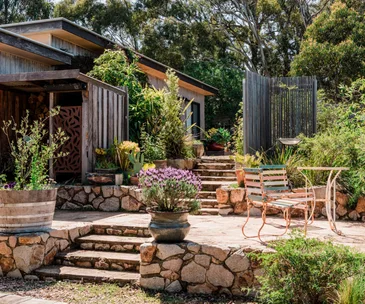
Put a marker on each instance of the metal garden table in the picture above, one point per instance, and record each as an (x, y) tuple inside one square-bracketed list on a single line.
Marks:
[(330, 198)]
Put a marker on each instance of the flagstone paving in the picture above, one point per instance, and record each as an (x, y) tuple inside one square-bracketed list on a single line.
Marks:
[(6, 298), (219, 230)]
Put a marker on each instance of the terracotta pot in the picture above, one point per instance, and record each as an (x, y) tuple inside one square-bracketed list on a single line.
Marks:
[(169, 227), (240, 175), (198, 150), (160, 164), (215, 147), (27, 211), (134, 180)]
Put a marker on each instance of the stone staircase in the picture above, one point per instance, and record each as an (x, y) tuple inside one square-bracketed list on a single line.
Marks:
[(214, 171), (108, 254)]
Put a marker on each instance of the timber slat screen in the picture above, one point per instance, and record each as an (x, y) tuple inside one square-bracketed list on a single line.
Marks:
[(273, 108), (105, 119)]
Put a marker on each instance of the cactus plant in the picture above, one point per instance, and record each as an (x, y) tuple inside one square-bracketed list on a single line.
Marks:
[(137, 160)]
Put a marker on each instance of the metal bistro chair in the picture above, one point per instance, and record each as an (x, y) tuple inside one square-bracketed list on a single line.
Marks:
[(267, 186)]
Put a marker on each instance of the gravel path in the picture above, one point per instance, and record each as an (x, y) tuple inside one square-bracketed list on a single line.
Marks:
[(77, 293)]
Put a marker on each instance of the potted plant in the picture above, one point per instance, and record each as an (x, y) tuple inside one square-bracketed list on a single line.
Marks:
[(175, 134), (123, 150), (170, 195), (198, 148), (137, 161), (105, 161), (218, 139), (28, 203), (245, 161), (154, 151)]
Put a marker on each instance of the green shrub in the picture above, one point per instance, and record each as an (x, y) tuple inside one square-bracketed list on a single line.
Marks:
[(351, 291), (303, 270), (174, 131)]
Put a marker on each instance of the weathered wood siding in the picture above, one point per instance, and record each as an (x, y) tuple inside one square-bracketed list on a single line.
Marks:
[(13, 105), (189, 95), (12, 64), (275, 108), (104, 118), (70, 47)]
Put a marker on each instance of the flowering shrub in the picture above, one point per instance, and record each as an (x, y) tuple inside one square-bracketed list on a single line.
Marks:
[(170, 189), (123, 150)]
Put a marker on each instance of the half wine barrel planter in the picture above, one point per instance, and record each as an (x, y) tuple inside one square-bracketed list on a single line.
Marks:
[(26, 211)]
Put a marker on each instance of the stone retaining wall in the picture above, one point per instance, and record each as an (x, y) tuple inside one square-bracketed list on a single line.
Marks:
[(100, 198), (197, 268), (233, 201), (20, 254)]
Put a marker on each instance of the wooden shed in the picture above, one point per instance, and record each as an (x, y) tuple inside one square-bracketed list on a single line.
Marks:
[(93, 113)]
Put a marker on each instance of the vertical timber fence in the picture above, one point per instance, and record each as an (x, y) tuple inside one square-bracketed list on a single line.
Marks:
[(273, 108)]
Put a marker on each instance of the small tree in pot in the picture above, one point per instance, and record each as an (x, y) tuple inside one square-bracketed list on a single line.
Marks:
[(28, 203), (170, 194)]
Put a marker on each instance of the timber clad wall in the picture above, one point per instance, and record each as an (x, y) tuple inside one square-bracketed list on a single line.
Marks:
[(104, 118), (12, 105), (70, 47), (11, 64)]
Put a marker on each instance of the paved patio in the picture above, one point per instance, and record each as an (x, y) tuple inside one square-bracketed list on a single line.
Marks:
[(217, 229)]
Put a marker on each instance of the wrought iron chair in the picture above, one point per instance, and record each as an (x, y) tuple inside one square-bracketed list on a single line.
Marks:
[(268, 186)]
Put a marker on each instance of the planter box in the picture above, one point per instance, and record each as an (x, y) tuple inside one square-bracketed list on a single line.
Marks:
[(185, 164), (104, 178)]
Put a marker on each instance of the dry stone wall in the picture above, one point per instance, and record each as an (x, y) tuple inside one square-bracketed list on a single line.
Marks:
[(20, 254), (233, 201), (100, 198), (197, 268)]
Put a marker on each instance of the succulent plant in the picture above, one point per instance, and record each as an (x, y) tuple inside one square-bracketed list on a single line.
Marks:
[(137, 160)]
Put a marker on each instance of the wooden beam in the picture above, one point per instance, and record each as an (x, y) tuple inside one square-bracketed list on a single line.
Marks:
[(63, 87), (51, 131), (44, 75), (101, 84), (28, 45)]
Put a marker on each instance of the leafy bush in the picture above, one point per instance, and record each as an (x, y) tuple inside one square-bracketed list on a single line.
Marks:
[(237, 136), (170, 189), (153, 148), (351, 291), (305, 271), (174, 131), (30, 152)]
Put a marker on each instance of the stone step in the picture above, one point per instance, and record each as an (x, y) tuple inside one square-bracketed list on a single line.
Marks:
[(213, 185), (219, 178), (122, 230), (216, 159), (209, 172), (87, 274), (208, 203), (207, 194), (111, 242), (106, 260), (215, 166), (208, 211)]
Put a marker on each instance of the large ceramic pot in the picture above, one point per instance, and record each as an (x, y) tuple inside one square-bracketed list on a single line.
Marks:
[(169, 227), (160, 164), (27, 211)]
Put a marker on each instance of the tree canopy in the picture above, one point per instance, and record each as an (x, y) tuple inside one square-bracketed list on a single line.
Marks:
[(334, 47)]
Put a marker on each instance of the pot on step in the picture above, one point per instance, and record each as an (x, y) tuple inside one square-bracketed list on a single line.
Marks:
[(168, 227)]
